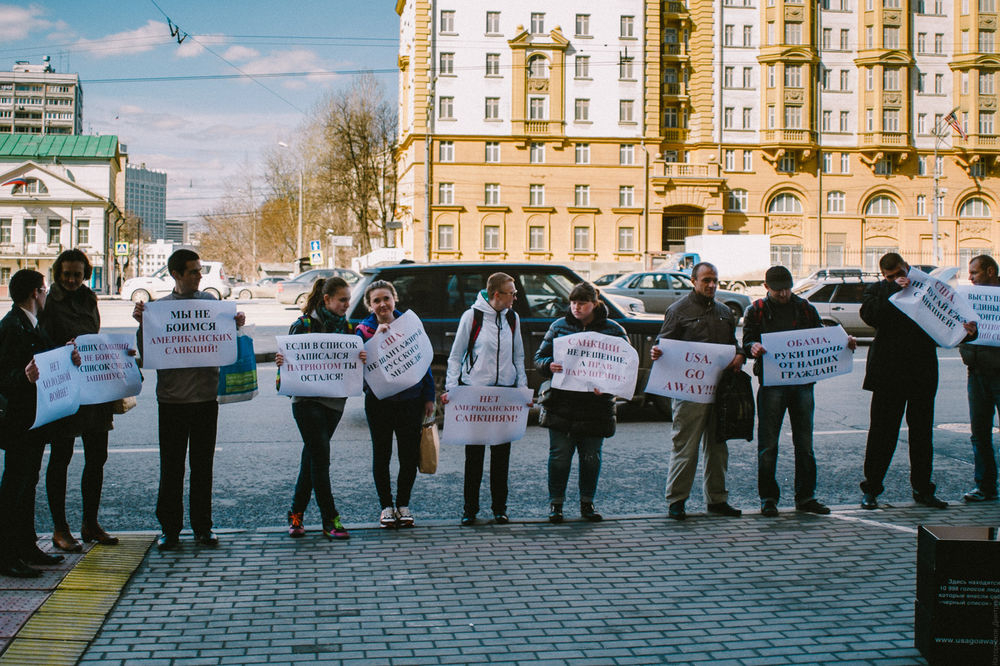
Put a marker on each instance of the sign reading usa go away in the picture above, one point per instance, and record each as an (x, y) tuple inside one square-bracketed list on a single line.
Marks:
[(689, 370)]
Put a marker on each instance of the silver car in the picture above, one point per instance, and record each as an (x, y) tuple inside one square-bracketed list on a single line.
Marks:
[(838, 301), (659, 289), (296, 290)]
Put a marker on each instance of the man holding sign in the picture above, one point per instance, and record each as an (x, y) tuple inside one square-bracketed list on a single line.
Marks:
[(188, 413), (699, 318), (781, 310)]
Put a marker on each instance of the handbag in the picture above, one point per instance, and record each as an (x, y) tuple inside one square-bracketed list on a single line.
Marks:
[(430, 447), (734, 406), (238, 382)]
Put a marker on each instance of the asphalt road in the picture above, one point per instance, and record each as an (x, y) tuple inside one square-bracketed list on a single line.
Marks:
[(259, 446)]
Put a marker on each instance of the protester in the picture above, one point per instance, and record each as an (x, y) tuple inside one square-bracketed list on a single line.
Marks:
[(488, 351), (402, 414), (188, 416), (698, 317), (317, 417), (902, 374), (984, 392), (71, 310), (576, 421), (20, 340), (781, 310)]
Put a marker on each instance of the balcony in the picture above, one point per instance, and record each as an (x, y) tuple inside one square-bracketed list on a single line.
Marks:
[(686, 170), (538, 127), (787, 136), (675, 134), (888, 139), (674, 51), (674, 10), (675, 90), (978, 142)]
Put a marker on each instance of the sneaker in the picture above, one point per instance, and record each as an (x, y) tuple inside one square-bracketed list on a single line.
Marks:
[(295, 527), (813, 506), (404, 516), (468, 519), (334, 529), (769, 508), (555, 513), (588, 512), (977, 494), (388, 517)]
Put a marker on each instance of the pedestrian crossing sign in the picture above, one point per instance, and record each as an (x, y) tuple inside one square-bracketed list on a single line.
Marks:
[(316, 258), (314, 246), (121, 249)]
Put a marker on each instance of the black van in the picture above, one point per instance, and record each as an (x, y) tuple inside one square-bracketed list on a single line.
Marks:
[(440, 293)]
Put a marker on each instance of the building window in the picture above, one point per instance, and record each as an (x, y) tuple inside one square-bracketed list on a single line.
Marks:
[(625, 69), (492, 64), (869, 79), (793, 33), (625, 110), (870, 120), (446, 151), (536, 108), (730, 160), (491, 238), (827, 120), (747, 117), (492, 110), (626, 239), (921, 42), (492, 194), (5, 274), (536, 238), (827, 162), (844, 115), (939, 43), (789, 256), (921, 82), (537, 23), (986, 41), (793, 76), (581, 110), (974, 207), (844, 81), (986, 122), (747, 78), (83, 232), (727, 117), (883, 167), (939, 165), (30, 186), (55, 229), (626, 154), (890, 120), (785, 203), (492, 152), (492, 23), (536, 195), (538, 67), (670, 117), (922, 165), (882, 206), (747, 36), (787, 163), (738, 201), (581, 67), (921, 204), (446, 194), (939, 84), (581, 196), (747, 160), (890, 37), (626, 196), (627, 24), (770, 116), (446, 108), (890, 78), (581, 239), (30, 231), (583, 25), (770, 76), (447, 20), (977, 170), (793, 117), (727, 35), (986, 83), (582, 153), (845, 39), (921, 123), (869, 37), (836, 202), (965, 83), (447, 64), (827, 39), (5, 227), (536, 153), (446, 237)]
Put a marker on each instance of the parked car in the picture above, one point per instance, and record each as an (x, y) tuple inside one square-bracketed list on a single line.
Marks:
[(658, 289), (953, 275), (159, 284), (607, 278), (838, 301), (838, 272), (262, 288), (440, 293), (296, 289)]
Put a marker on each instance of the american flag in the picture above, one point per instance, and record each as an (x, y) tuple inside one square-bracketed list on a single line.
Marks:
[(955, 125)]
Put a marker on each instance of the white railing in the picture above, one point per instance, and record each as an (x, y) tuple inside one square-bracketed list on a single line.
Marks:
[(383, 255)]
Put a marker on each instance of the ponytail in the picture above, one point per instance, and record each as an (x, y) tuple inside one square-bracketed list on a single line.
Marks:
[(315, 298)]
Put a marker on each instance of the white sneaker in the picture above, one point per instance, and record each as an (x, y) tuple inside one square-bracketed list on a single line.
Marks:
[(405, 517), (388, 517)]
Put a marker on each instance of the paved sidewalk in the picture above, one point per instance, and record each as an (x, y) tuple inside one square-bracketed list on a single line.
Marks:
[(638, 590)]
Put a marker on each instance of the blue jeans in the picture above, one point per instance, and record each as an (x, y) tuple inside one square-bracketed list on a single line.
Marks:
[(984, 400), (561, 447), (772, 402), (316, 424)]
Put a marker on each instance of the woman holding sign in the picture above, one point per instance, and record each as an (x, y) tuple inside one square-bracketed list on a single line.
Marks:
[(316, 417), (71, 310), (576, 421), (402, 414)]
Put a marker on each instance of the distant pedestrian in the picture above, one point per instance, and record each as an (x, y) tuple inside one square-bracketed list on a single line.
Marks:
[(781, 310), (188, 416), (401, 414), (698, 317), (984, 392), (576, 421), (902, 374), (71, 310), (324, 311), (488, 351)]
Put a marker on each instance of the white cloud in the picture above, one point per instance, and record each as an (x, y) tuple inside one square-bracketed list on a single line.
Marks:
[(140, 40), (195, 46), (240, 53), (17, 22), (295, 60)]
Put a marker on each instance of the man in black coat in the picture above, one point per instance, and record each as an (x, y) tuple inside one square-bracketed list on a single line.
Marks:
[(902, 374)]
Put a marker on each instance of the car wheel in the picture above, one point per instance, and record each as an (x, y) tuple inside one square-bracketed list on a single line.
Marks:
[(663, 405), (214, 293), (140, 296), (301, 300), (246, 294), (737, 287)]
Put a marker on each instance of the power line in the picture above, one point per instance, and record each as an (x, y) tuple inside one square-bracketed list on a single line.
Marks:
[(210, 77)]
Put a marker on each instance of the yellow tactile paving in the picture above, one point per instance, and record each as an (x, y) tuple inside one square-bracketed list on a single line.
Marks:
[(62, 626), (52, 653), (81, 601)]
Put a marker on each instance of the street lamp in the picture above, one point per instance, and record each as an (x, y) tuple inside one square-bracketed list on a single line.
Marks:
[(298, 242), (938, 129)]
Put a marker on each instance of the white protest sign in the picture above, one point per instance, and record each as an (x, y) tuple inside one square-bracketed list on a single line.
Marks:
[(107, 372), (57, 393), (689, 370), (985, 302), (188, 333), (398, 358), (935, 306), (805, 356), (485, 415), (321, 365), (593, 360)]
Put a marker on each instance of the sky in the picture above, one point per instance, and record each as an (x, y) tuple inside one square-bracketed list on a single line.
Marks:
[(202, 131)]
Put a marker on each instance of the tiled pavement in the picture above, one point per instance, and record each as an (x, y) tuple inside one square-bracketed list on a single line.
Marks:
[(637, 590)]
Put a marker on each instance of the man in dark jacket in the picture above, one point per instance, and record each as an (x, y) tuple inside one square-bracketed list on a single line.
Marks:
[(902, 374), (698, 317), (20, 340), (984, 392), (781, 310)]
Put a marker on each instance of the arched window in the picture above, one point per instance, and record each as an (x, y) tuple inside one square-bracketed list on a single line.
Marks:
[(785, 203), (30, 186), (974, 207), (538, 67), (882, 206)]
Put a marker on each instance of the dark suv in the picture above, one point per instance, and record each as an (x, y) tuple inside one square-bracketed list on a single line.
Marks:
[(440, 293)]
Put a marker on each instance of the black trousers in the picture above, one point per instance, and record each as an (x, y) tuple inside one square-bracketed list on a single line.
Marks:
[(887, 411), (95, 454), (22, 463), (186, 430), (405, 418), (499, 464)]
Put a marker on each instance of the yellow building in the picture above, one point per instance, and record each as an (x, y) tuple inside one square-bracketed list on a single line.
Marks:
[(602, 134)]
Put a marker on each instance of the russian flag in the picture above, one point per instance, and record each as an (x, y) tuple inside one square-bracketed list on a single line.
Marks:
[(15, 181)]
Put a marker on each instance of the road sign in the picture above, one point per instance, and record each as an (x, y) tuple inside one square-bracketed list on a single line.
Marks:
[(314, 246), (121, 249), (316, 258), (342, 241), (394, 224)]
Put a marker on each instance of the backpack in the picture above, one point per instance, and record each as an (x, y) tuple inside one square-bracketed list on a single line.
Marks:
[(734, 406), (477, 326)]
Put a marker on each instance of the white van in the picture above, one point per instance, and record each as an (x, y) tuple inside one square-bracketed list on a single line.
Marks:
[(159, 284)]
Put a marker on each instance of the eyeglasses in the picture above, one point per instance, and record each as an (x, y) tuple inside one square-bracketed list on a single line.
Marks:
[(509, 293)]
